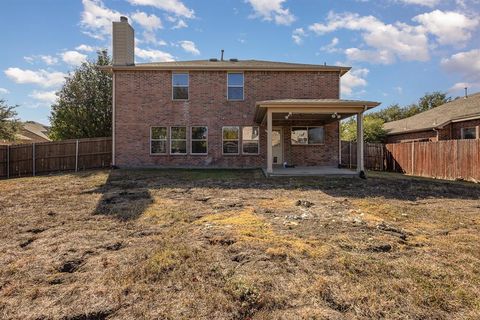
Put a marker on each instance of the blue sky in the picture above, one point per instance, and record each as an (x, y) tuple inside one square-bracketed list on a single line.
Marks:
[(399, 49)]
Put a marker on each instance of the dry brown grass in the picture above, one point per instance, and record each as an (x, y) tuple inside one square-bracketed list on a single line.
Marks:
[(154, 244)]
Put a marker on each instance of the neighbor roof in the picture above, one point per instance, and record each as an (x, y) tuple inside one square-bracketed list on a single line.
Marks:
[(37, 129), (456, 110), (247, 65)]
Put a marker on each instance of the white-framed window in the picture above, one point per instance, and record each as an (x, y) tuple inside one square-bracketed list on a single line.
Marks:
[(180, 82), (178, 140), (158, 140), (469, 133), (235, 87), (230, 139), (250, 140), (308, 135), (199, 140)]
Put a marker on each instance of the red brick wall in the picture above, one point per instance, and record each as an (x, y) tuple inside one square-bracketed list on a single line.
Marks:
[(430, 134), (143, 99), (457, 127)]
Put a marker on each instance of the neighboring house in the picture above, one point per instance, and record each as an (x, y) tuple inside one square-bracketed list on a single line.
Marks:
[(458, 119), (30, 132), (219, 113)]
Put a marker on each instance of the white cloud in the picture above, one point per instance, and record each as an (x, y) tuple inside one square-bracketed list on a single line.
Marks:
[(151, 38), (389, 41), (353, 79), (298, 35), (180, 24), (44, 96), (449, 27), (85, 48), (73, 58), (467, 62), (427, 3), (4, 91), (153, 55), (331, 47), (97, 19), (173, 6), (467, 65), (189, 46), (40, 77), (149, 22), (380, 56), (272, 10), (49, 60)]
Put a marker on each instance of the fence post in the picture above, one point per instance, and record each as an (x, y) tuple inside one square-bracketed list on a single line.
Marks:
[(76, 156), (33, 159), (8, 161), (382, 164), (413, 158), (350, 154)]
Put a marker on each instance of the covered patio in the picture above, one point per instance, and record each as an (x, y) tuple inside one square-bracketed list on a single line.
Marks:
[(289, 112)]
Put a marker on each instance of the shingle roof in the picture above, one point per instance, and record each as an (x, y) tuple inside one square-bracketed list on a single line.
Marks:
[(233, 65), (36, 128), (437, 117)]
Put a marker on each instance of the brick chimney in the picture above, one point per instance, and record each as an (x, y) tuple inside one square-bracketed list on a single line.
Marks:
[(123, 43)]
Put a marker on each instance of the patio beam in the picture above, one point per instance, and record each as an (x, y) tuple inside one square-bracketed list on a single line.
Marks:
[(360, 162), (269, 142)]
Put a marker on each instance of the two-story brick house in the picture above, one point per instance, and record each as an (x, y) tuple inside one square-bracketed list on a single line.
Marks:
[(225, 113)]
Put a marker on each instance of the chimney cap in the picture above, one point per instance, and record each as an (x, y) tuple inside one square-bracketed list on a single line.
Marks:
[(123, 19)]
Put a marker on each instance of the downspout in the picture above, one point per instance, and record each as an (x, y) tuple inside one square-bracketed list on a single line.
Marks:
[(113, 120)]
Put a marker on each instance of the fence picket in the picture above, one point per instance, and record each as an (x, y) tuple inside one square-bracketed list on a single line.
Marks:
[(448, 159), (55, 156)]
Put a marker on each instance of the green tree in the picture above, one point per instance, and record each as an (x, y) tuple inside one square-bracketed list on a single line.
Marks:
[(9, 123), (372, 129), (84, 105), (432, 100)]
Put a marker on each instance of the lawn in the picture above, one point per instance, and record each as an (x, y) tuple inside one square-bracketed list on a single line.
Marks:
[(157, 244)]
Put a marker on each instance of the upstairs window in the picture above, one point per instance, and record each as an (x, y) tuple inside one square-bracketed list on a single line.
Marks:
[(158, 140), (199, 144), (235, 86), (180, 86), (178, 140), (469, 133), (250, 140), (231, 137), (308, 135)]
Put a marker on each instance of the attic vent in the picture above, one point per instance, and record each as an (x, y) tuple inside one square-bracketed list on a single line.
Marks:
[(213, 59), (234, 60)]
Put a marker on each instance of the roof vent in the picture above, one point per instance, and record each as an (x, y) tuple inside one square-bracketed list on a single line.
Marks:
[(213, 59), (234, 60)]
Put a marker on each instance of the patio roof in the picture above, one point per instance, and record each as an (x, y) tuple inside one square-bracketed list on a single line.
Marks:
[(314, 108)]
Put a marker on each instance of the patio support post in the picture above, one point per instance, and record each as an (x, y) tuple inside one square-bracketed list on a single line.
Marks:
[(360, 163), (269, 142)]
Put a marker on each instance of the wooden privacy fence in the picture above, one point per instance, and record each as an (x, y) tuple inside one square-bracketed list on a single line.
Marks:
[(374, 157), (47, 157), (448, 159)]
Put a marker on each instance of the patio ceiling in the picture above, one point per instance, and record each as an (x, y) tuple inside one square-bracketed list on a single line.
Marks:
[(311, 109)]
